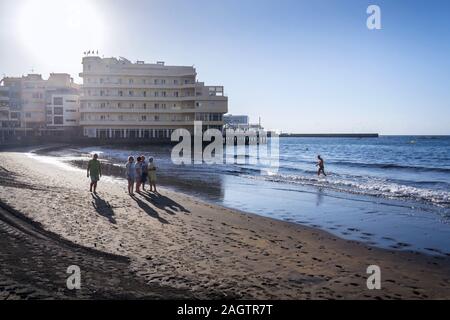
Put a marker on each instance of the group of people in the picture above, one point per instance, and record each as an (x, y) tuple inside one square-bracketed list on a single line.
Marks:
[(137, 173), (141, 171)]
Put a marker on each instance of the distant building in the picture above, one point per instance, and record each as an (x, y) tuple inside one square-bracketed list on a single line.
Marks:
[(233, 120), (121, 99), (240, 123)]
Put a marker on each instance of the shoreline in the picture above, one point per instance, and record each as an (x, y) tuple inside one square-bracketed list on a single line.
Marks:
[(311, 205), (182, 242)]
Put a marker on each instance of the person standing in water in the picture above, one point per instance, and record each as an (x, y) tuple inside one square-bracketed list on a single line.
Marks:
[(94, 170), (130, 172), (321, 166), (152, 175)]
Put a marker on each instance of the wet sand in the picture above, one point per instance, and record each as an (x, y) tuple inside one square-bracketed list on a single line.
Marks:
[(170, 245)]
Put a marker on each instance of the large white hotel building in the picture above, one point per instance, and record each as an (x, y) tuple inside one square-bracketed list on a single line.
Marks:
[(121, 99)]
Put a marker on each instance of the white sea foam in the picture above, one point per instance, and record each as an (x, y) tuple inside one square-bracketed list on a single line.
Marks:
[(365, 186)]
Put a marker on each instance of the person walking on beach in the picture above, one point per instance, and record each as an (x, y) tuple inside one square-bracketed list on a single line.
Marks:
[(321, 166), (94, 170), (130, 172), (144, 172), (152, 175), (138, 174)]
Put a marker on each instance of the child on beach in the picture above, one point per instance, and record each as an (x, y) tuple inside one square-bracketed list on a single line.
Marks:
[(321, 166), (130, 172), (94, 170), (138, 174), (144, 172), (152, 175)]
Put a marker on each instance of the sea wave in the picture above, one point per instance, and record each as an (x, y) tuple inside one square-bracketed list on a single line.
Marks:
[(392, 166), (369, 186)]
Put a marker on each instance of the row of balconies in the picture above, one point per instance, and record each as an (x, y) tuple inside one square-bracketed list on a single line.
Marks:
[(136, 110), (145, 122), (96, 85), (134, 98)]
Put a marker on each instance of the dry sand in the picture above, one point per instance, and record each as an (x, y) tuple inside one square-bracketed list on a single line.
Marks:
[(178, 245)]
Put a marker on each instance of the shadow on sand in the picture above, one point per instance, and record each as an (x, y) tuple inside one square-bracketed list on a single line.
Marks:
[(164, 203), (149, 210), (103, 208)]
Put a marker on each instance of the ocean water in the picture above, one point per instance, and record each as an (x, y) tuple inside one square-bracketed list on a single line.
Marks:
[(391, 191)]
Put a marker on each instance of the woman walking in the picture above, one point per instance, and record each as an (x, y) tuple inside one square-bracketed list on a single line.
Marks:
[(138, 174), (144, 172), (130, 172), (152, 175)]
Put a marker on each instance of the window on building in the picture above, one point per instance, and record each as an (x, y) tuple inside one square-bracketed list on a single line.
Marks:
[(145, 93), (101, 80), (130, 93), (58, 120), (102, 93), (28, 115), (156, 105), (175, 94), (58, 110), (58, 101), (145, 106), (102, 117), (175, 81), (163, 93), (102, 105), (144, 118), (120, 93), (163, 81), (144, 81), (155, 81), (156, 93), (119, 105), (156, 118), (130, 81)]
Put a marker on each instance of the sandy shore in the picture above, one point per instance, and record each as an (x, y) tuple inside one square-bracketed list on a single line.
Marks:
[(178, 246)]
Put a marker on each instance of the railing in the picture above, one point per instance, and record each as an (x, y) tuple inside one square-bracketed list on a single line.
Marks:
[(138, 110), (137, 85)]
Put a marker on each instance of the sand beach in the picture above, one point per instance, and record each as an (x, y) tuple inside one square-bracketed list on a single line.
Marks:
[(172, 245)]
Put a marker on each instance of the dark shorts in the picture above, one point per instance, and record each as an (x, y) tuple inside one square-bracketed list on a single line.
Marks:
[(144, 177)]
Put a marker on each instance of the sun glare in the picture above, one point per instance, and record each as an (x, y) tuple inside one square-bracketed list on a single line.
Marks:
[(52, 30)]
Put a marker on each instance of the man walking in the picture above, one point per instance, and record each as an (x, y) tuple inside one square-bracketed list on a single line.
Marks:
[(94, 170)]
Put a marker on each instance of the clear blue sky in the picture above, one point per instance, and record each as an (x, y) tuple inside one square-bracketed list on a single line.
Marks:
[(303, 66)]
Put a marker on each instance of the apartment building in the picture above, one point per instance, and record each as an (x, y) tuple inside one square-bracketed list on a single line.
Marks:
[(9, 117), (63, 109), (29, 96), (121, 99)]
